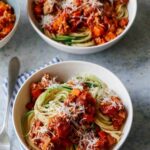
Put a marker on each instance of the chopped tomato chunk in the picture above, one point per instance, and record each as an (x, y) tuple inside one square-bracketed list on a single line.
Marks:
[(123, 22), (35, 93), (106, 140), (115, 110), (38, 9), (98, 31), (102, 134), (109, 110), (111, 140), (109, 36)]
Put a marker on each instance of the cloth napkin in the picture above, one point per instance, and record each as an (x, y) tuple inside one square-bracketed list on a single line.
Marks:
[(21, 79)]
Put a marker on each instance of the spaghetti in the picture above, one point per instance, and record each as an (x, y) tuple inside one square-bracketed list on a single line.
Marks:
[(81, 22), (81, 114)]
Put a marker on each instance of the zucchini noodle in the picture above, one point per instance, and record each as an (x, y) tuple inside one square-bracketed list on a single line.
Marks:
[(81, 23), (72, 112), (53, 99)]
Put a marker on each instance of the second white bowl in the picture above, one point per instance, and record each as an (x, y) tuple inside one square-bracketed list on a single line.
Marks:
[(132, 8)]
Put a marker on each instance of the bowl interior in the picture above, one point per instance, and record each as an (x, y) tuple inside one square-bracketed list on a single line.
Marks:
[(65, 71), (132, 8)]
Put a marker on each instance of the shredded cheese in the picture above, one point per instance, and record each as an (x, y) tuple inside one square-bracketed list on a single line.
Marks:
[(42, 129), (47, 20), (56, 107), (95, 3), (113, 103), (71, 111), (89, 140), (68, 4)]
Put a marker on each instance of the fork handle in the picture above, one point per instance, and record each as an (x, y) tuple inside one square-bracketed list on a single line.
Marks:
[(13, 71)]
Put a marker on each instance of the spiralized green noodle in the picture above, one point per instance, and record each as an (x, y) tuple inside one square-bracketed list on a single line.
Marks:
[(82, 38), (93, 80), (81, 23), (98, 88), (51, 103), (27, 122)]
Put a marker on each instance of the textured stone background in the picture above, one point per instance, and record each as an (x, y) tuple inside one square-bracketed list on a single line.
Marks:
[(129, 60)]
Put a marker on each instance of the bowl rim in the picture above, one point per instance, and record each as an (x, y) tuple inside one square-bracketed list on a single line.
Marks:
[(16, 21), (71, 48), (130, 122)]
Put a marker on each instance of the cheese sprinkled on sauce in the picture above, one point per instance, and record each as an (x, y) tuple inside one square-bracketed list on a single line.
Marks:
[(88, 139), (47, 20)]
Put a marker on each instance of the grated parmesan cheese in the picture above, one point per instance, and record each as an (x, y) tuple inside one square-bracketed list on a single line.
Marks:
[(47, 20), (42, 129), (113, 104), (68, 110), (72, 5), (95, 3), (68, 3), (76, 84), (89, 140)]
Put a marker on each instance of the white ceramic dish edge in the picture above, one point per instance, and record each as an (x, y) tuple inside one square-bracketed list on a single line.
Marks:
[(129, 120), (132, 7)]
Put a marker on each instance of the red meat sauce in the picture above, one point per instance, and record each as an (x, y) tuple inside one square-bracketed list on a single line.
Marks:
[(62, 131), (61, 128), (37, 88), (116, 113), (61, 140), (103, 30)]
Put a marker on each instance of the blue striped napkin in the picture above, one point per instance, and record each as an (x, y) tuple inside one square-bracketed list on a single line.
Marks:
[(21, 79)]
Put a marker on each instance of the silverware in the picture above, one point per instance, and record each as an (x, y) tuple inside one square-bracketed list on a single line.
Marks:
[(13, 71)]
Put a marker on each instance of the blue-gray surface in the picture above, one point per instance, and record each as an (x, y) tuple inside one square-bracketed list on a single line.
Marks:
[(129, 60)]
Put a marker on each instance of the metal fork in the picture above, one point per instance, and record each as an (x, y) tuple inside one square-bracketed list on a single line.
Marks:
[(13, 71)]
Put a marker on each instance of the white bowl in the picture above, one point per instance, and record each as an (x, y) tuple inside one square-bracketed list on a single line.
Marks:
[(16, 7), (132, 8), (66, 70)]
